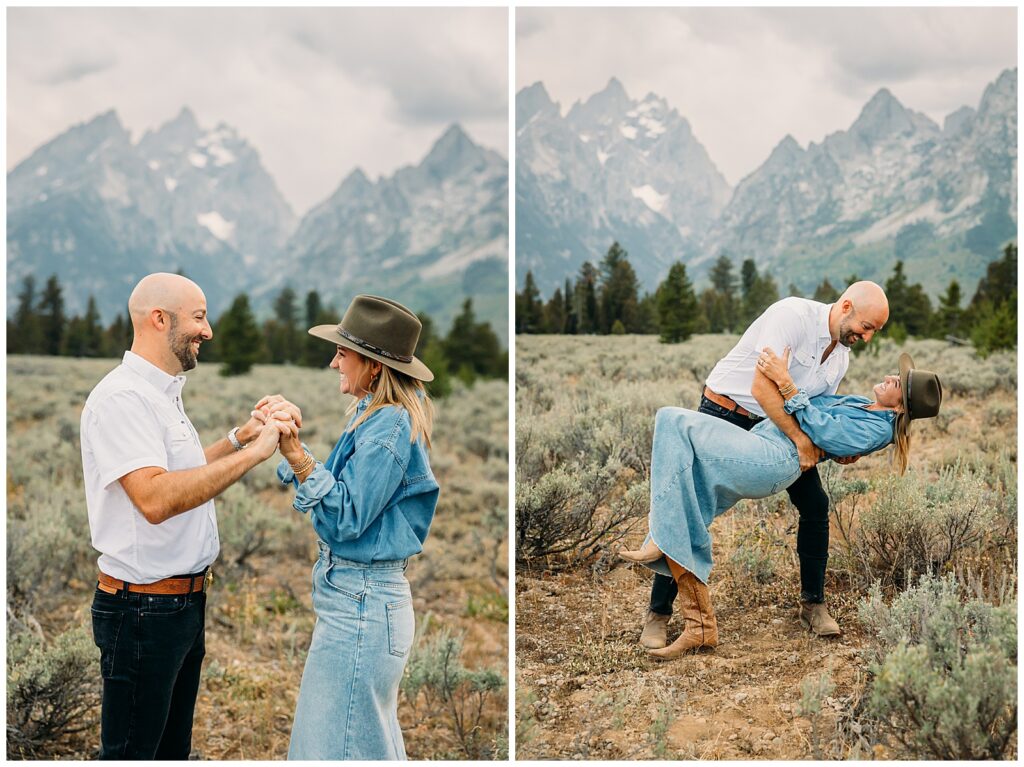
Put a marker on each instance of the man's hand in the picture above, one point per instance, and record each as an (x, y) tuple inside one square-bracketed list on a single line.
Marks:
[(275, 430), (275, 402), (809, 453), (847, 460), (252, 428)]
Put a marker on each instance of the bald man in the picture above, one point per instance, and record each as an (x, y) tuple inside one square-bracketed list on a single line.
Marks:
[(149, 489), (819, 337)]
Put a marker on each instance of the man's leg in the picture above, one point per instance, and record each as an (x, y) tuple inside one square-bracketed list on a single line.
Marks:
[(811, 502), (143, 643), (176, 742)]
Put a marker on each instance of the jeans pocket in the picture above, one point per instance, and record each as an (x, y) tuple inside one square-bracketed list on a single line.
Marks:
[(106, 628), (345, 580), (401, 627), (783, 484), (162, 604)]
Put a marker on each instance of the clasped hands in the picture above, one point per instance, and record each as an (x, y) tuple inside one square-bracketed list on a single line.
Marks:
[(274, 424)]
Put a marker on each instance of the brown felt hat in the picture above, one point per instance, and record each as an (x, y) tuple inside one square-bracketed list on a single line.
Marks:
[(922, 393), (382, 330)]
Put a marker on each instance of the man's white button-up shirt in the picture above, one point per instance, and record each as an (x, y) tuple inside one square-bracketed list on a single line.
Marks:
[(135, 418), (800, 324)]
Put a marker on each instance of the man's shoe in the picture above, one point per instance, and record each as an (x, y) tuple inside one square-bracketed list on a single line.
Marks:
[(814, 617), (655, 633)]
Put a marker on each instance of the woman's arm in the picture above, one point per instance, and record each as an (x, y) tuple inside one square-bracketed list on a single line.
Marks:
[(839, 429)]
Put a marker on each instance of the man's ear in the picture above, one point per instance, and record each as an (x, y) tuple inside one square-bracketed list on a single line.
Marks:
[(159, 319)]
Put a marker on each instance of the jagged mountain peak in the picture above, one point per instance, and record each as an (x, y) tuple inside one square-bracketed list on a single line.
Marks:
[(533, 100), (452, 152), (603, 106), (882, 116)]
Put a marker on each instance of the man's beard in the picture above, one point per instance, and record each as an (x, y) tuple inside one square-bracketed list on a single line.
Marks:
[(181, 346), (846, 336)]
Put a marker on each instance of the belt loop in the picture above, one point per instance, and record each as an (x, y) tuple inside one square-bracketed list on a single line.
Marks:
[(191, 585)]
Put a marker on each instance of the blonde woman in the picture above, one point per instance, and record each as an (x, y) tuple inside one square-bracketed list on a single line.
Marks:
[(701, 466), (371, 502)]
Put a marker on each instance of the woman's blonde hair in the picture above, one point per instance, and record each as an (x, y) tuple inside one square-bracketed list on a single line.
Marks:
[(900, 456), (391, 387)]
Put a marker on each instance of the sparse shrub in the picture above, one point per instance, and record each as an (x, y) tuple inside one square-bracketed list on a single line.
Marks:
[(52, 691), (944, 679), (436, 680), (575, 513), (813, 692)]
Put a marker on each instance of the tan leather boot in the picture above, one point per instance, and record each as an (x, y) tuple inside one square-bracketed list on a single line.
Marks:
[(814, 617), (649, 552), (655, 633), (700, 626)]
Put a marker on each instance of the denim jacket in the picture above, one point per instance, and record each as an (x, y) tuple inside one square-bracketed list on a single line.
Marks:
[(840, 425), (373, 499)]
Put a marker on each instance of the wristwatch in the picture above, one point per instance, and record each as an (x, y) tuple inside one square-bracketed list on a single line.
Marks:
[(233, 439)]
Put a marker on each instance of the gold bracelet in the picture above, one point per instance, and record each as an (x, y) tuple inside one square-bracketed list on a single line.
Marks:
[(307, 462), (788, 389)]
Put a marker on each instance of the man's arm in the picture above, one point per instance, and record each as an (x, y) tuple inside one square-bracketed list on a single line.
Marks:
[(767, 395), (246, 434), (160, 494)]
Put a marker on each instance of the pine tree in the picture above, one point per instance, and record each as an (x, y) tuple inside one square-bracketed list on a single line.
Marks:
[(619, 289), (118, 337), (472, 348), (51, 317), (281, 332), (723, 281), (25, 333), (317, 353), (571, 316), (555, 313), (240, 339), (825, 293), (529, 308), (677, 306), (84, 337), (949, 313), (585, 293)]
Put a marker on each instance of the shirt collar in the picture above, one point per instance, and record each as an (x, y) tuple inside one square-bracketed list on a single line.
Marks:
[(160, 379), (823, 329), (364, 402)]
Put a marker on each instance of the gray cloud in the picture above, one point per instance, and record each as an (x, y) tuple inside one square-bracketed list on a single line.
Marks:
[(317, 91)]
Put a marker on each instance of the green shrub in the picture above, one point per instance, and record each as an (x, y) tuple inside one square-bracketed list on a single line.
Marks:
[(437, 684), (52, 691), (944, 676)]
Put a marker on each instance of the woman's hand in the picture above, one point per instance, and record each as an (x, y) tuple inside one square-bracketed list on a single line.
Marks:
[(272, 402), (290, 444), (776, 368)]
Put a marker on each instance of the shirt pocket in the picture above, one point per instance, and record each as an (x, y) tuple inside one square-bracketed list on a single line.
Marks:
[(181, 442)]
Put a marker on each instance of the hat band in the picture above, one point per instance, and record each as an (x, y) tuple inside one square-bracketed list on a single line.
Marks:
[(371, 348)]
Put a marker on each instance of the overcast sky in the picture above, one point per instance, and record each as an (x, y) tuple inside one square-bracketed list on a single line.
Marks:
[(316, 91), (745, 77)]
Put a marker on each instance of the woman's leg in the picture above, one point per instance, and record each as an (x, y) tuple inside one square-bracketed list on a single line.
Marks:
[(701, 626)]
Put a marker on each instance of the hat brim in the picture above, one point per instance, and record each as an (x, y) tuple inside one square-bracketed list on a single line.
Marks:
[(415, 369), (906, 365)]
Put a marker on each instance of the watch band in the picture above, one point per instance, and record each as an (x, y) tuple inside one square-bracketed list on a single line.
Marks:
[(233, 439)]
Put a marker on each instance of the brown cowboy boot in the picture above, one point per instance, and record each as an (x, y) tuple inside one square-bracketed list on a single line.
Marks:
[(700, 626)]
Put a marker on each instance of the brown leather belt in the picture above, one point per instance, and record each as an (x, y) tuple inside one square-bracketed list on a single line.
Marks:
[(183, 585), (728, 404)]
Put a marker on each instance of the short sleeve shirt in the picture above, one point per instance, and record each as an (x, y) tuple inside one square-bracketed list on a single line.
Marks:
[(135, 418), (800, 324)]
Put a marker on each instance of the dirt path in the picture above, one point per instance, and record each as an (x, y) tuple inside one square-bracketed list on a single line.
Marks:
[(587, 690)]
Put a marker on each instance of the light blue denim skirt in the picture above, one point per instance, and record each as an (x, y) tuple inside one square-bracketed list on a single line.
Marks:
[(701, 466), (348, 701)]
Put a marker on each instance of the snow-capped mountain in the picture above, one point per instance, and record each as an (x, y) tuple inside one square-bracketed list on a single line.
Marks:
[(893, 185), (215, 179), (612, 168), (100, 211), (429, 236)]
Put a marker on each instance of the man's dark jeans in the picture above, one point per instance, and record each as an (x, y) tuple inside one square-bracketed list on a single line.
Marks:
[(151, 651), (811, 502)]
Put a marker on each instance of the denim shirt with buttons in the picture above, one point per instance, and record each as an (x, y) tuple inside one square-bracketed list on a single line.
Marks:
[(374, 497), (841, 425)]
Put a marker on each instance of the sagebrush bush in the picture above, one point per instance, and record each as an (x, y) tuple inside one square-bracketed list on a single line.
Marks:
[(437, 684), (944, 680), (52, 691)]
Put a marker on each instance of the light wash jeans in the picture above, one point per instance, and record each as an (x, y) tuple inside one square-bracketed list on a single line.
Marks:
[(348, 701), (701, 466)]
